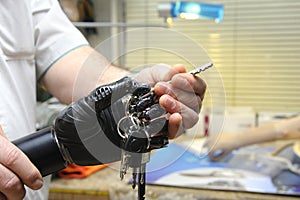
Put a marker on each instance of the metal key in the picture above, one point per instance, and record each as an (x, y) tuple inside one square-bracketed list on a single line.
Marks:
[(201, 68), (135, 155), (127, 161), (124, 164)]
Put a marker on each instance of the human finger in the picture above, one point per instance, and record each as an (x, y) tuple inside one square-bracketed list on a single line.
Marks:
[(189, 116), (189, 82), (180, 68), (164, 72), (189, 99), (158, 72), (175, 127), (17, 162), (10, 185)]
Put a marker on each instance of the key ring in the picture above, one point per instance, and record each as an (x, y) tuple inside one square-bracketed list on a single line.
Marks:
[(124, 136)]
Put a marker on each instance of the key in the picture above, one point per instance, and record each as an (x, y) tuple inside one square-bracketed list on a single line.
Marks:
[(124, 164), (138, 169), (201, 68), (139, 175), (136, 155), (142, 176)]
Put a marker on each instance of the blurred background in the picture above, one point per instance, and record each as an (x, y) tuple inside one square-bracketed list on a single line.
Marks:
[(255, 48)]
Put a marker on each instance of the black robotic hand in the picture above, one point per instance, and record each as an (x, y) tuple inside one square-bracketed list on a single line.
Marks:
[(89, 132), (87, 129)]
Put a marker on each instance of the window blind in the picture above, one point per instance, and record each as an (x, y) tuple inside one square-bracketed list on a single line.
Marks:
[(256, 50)]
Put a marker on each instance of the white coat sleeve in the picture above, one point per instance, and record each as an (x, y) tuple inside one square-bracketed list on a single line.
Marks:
[(54, 34)]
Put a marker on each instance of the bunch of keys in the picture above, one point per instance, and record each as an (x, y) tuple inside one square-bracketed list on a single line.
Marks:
[(143, 129)]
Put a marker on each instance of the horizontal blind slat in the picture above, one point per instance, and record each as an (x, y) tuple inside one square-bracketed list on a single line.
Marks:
[(256, 50)]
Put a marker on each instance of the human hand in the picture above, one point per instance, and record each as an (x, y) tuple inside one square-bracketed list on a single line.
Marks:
[(221, 145), (181, 94), (15, 171)]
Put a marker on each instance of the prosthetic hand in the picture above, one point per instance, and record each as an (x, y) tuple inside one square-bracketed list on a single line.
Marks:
[(91, 130)]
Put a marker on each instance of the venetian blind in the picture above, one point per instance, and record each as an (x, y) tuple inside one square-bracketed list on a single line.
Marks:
[(256, 49)]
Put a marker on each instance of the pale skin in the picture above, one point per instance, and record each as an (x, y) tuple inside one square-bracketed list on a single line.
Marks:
[(226, 142), (68, 80)]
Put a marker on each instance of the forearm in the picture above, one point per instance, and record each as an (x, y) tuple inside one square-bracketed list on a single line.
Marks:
[(285, 129), (79, 72), (260, 134)]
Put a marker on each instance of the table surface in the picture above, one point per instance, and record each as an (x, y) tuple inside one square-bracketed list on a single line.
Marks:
[(106, 185)]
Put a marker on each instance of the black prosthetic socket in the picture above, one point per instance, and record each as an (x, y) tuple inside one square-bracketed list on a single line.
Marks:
[(43, 151)]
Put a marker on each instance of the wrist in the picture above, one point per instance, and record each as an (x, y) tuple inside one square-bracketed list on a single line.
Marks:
[(280, 131)]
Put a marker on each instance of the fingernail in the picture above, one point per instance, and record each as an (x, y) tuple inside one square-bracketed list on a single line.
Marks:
[(171, 103), (37, 184), (163, 88)]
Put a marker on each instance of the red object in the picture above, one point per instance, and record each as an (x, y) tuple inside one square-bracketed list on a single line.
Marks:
[(206, 125), (76, 171)]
